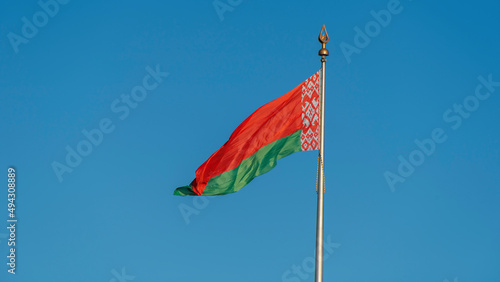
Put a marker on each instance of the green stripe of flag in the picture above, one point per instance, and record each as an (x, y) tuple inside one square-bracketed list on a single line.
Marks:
[(257, 164)]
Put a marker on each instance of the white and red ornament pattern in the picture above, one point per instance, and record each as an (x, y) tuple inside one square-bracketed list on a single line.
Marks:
[(309, 138)]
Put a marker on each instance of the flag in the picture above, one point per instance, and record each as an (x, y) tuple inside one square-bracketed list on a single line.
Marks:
[(281, 127)]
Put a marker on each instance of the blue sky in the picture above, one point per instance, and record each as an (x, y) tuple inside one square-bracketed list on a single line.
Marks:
[(399, 74)]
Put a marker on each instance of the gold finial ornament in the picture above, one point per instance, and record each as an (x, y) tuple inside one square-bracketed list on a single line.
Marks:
[(323, 39)]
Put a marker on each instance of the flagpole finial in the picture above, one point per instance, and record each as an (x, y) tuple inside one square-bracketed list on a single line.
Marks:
[(323, 39)]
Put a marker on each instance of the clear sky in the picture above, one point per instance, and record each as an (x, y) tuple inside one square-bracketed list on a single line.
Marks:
[(106, 108)]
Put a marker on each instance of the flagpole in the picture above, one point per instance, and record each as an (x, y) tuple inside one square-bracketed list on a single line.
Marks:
[(323, 52)]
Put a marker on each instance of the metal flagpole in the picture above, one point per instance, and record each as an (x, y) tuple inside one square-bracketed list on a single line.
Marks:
[(323, 38)]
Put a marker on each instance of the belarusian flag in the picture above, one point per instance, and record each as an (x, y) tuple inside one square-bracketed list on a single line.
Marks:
[(281, 127)]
